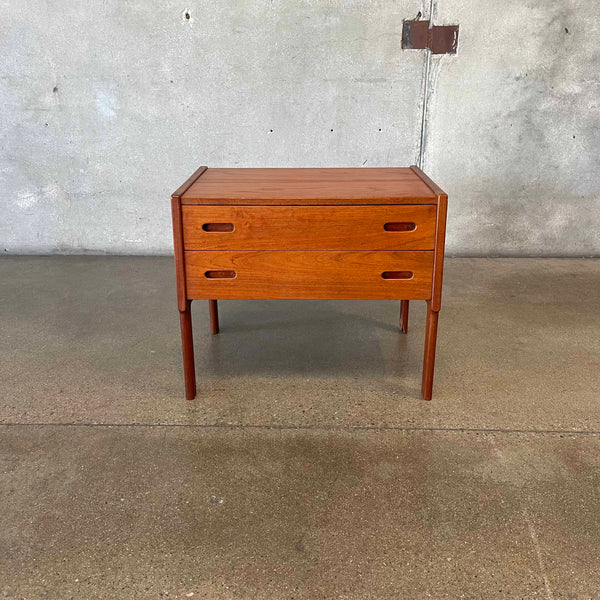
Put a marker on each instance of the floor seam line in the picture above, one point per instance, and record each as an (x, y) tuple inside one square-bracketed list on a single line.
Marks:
[(382, 428)]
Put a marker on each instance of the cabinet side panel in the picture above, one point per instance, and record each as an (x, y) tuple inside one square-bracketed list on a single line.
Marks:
[(179, 254), (438, 260)]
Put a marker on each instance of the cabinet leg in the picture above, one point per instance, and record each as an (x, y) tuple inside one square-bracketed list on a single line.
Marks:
[(404, 316), (213, 309), (429, 356), (187, 345)]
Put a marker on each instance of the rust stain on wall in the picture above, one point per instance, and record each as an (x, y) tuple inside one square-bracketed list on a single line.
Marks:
[(420, 35)]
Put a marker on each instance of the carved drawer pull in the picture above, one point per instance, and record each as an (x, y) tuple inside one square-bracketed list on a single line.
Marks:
[(220, 227), (220, 274), (399, 226), (397, 275)]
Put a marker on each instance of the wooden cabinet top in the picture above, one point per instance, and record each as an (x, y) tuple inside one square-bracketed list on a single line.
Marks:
[(309, 186)]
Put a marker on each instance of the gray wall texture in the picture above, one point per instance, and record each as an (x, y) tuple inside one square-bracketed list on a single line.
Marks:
[(106, 107)]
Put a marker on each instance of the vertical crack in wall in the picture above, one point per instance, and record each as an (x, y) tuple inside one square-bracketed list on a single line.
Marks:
[(426, 84), (423, 132)]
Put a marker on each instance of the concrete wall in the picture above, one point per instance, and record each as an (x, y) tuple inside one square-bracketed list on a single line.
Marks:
[(106, 107), (513, 127)]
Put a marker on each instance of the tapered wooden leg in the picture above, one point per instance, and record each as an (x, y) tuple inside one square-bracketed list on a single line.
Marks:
[(213, 309), (429, 356), (404, 316), (187, 345)]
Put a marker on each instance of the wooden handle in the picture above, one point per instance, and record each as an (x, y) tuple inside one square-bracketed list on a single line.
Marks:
[(218, 227), (220, 274), (400, 226), (397, 275)]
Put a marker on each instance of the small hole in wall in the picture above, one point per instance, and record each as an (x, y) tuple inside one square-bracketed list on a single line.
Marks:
[(270, 131), (331, 130), (55, 89), (187, 16), (379, 129)]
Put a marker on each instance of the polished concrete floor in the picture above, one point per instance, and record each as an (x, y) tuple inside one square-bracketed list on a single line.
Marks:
[(307, 467)]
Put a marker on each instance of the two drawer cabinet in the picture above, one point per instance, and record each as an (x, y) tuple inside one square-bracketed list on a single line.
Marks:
[(307, 234)]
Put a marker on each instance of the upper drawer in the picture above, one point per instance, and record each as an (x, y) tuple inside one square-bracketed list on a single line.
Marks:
[(309, 227)]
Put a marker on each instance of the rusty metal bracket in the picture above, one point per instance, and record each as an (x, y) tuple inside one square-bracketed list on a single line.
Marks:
[(440, 39)]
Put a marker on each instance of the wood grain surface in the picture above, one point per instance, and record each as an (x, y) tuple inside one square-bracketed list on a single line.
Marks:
[(308, 227), (188, 182), (306, 275), (178, 252), (432, 185), (309, 186), (440, 247)]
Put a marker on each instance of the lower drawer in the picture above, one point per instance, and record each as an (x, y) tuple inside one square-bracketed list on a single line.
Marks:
[(306, 275)]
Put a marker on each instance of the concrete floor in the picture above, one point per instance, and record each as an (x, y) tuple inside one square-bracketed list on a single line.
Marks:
[(307, 467)]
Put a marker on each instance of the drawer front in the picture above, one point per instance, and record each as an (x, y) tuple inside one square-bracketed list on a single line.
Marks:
[(309, 275), (309, 227)]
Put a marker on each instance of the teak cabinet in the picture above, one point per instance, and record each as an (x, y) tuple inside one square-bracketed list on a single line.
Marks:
[(375, 233)]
